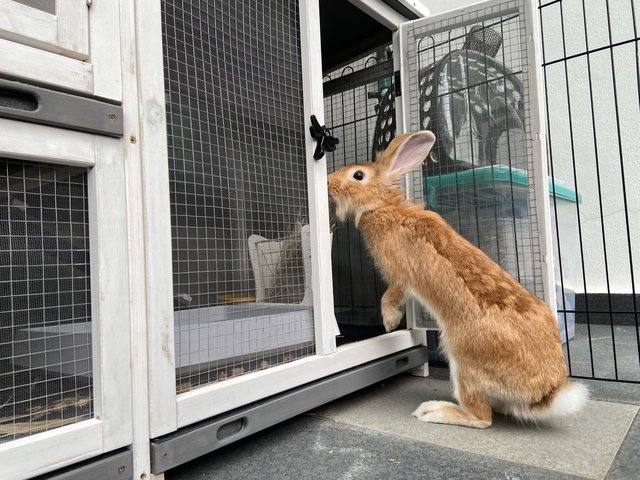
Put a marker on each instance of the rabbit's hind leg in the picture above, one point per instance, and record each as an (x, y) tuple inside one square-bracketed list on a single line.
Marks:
[(473, 411)]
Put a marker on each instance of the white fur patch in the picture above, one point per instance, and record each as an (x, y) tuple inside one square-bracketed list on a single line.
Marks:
[(341, 208), (569, 400), (431, 406), (433, 417), (453, 373)]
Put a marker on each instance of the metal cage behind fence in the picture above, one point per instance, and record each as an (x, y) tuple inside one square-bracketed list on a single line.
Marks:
[(360, 109)]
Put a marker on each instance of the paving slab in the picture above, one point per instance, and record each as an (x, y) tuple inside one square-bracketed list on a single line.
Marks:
[(626, 465), (618, 392), (584, 444), (311, 447)]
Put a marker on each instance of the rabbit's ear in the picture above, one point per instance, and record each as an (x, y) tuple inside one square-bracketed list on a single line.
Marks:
[(406, 152)]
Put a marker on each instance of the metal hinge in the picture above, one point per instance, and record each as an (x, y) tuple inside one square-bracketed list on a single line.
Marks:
[(396, 83)]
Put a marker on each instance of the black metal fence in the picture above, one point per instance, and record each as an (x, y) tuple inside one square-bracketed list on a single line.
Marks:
[(591, 72), (592, 96)]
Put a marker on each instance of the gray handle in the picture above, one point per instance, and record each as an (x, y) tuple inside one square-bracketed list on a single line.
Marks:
[(29, 103)]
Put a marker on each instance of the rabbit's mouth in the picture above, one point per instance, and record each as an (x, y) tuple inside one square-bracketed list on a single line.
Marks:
[(332, 209), (338, 208)]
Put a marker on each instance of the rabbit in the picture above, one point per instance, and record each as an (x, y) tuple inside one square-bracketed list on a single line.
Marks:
[(502, 342)]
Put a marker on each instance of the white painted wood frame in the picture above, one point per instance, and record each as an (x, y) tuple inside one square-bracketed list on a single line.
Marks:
[(321, 276), (195, 405), (77, 49), (380, 11), (30, 141), (65, 32), (155, 409), (416, 6), (111, 426), (147, 168), (539, 145)]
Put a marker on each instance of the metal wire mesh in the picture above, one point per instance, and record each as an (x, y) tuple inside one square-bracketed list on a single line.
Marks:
[(592, 76), (239, 207), (359, 109), (45, 310), (468, 84)]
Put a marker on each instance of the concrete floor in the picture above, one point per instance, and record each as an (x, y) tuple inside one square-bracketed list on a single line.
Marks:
[(371, 434), (594, 346)]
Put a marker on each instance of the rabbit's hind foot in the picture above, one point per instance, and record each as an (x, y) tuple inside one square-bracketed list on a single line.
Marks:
[(449, 413)]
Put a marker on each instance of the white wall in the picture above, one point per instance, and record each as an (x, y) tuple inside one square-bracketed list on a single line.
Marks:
[(572, 135), (580, 147)]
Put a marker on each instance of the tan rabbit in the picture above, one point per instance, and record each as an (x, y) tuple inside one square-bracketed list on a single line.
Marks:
[(502, 342)]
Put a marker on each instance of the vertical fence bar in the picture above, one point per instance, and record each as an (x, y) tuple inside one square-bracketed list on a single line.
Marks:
[(622, 180), (553, 186), (635, 301), (602, 227), (573, 157)]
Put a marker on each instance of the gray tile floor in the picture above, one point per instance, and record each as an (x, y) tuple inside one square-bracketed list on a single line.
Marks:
[(597, 350), (371, 434)]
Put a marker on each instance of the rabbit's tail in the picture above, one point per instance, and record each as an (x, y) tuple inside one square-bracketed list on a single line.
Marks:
[(569, 400), (566, 400)]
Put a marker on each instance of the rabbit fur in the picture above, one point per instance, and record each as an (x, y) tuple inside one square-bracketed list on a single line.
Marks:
[(502, 342)]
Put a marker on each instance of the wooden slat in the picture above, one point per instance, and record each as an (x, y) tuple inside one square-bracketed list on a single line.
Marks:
[(37, 65), (66, 33), (30, 141), (27, 25), (73, 27)]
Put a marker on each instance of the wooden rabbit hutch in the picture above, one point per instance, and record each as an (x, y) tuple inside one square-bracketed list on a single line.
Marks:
[(166, 282)]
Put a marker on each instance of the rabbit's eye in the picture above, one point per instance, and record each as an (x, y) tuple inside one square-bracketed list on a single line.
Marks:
[(358, 175)]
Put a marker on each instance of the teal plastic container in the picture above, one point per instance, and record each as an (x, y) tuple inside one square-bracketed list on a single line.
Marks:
[(499, 177)]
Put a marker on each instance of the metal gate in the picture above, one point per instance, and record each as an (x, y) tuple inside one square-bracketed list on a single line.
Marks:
[(466, 75), (592, 77)]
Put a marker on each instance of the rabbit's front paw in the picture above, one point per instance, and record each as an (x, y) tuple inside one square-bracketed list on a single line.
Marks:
[(392, 307), (391, 317)]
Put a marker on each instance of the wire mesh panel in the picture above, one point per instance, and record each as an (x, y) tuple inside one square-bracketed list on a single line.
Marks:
[(45, 311), (239, 206), (468, 83), (591, 70), (359, 109)]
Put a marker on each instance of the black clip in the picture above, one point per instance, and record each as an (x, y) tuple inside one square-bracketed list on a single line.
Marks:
[(326, 143)]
